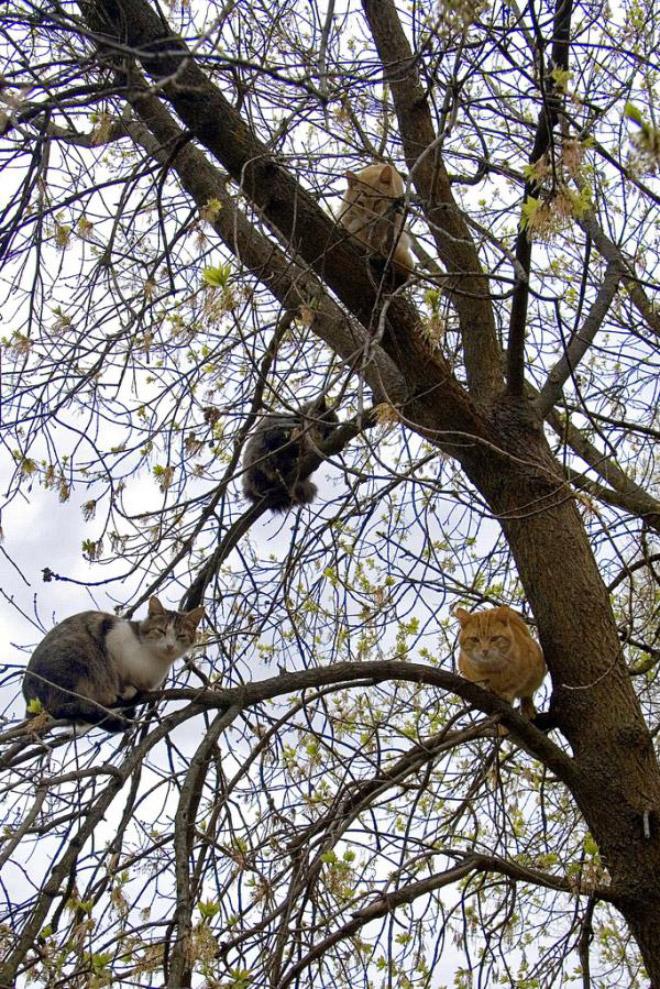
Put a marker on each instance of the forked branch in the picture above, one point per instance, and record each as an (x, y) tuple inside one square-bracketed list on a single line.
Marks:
[(578, 346)]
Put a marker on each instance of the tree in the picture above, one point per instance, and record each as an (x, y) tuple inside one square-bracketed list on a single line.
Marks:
[(173, 270)]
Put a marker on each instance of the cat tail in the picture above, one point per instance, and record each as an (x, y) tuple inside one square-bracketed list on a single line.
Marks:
[(93, 714), (303, 493)]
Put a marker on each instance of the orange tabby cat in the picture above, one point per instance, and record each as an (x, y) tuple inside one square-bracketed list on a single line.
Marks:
[(498, 653), (369, 212)]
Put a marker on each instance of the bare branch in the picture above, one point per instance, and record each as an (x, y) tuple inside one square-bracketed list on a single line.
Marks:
[(578, 346), (548, 118)]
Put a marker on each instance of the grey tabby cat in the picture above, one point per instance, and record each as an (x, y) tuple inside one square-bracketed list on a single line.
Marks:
[(90, 661), (274, 452)]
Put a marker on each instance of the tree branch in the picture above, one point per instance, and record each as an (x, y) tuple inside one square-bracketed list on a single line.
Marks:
[(290, 283), (548, 118), (631, 282), (577, 348), (427, 171), (179, 970), (625, 494), (52, 885), (293, 213), (388, 902), (249, 694)]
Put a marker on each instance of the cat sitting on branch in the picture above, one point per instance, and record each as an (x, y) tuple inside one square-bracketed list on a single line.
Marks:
[(93, 660), (498, 653)]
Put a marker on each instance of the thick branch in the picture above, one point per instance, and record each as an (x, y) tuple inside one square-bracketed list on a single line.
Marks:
[(515, 358), (427, 171), (293, 285), (290, 210), (636, 502), (615, 256), (341, 674), (577, 348)]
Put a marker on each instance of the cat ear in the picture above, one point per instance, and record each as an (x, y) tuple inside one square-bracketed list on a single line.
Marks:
[(351, 177), (155, 608), (506, 614), (462, 615), (386, 175), (195, 616)]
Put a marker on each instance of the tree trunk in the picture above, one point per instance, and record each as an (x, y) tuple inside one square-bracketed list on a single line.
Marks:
[(593, 699)]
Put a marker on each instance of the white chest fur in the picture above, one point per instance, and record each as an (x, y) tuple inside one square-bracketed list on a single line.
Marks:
[(140, 663)]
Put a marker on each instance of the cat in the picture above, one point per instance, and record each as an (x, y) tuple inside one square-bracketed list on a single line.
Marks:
[(371, 212), (273, 455), (498, 653), (92, 660)]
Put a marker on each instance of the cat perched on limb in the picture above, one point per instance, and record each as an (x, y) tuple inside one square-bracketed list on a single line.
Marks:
[(274, 474), (371, 212), (498, 653), (334, 443), (93, 660)]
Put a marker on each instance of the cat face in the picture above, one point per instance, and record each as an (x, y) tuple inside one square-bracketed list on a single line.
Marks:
[(485, 636), (169, 633), (373, 186)]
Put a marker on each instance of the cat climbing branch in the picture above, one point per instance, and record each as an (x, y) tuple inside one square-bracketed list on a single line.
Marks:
[(334, 444), (282, 326), (291, 283), (291, 211)]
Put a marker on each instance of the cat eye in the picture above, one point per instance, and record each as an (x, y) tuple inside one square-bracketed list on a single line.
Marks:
[(472, 640)]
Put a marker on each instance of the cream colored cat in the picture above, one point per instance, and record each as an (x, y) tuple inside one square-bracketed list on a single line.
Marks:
[(498, 653), (370, 212)]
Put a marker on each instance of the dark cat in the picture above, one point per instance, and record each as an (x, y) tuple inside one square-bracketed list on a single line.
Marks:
[(274, 452), (91, 661)]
